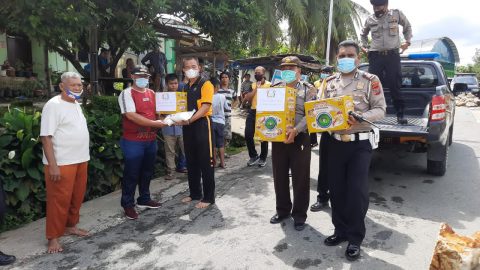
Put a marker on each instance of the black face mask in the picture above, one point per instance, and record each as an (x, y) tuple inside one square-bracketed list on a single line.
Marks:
[(379, 13), (258, 77)]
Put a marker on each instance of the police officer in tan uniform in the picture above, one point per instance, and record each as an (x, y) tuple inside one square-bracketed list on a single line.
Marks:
[(293, 154), (383, 52), (350, 151)]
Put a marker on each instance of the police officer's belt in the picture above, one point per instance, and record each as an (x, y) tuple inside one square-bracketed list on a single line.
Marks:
[(385, 52), (361, 136)]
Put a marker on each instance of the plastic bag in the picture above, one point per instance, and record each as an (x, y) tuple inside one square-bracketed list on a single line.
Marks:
[(178, 117)]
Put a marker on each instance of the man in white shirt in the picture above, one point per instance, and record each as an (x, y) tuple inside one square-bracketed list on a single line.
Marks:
[(65, 140)]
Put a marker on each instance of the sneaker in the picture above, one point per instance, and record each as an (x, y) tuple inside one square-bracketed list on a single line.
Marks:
[(262, 162), (253, 161), (150, 204), (130, 213)]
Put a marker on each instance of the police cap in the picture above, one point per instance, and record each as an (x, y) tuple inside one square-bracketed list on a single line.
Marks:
[(379, 2), (291, 61)]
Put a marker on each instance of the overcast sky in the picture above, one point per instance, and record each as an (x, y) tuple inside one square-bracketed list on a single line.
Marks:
[(458, 20)]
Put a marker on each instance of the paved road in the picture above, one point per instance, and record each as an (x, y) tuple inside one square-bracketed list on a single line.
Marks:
[(407, 207)]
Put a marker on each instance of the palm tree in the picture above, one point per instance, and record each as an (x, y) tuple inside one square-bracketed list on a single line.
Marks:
[(308, 23)]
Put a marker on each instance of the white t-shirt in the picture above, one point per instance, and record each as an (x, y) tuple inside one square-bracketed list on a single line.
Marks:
[(65, 122)]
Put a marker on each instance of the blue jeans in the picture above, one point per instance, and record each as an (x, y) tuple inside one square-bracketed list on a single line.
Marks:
[(182, 162), (139, 159)]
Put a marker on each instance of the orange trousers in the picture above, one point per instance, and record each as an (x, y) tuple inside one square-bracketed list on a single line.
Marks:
[(65, 197)]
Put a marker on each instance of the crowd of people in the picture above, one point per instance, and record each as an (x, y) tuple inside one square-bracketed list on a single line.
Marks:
[(192, 146)]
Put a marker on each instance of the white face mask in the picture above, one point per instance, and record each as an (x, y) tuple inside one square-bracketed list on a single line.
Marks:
[(191, 73)]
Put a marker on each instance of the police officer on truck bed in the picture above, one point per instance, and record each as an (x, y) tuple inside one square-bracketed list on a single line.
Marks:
[(383, 52), (350, 151)]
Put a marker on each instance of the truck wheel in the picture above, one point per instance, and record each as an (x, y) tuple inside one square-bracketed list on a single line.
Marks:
[(438, 168)]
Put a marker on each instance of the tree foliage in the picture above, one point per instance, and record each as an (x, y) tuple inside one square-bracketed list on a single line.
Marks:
[(63, 25)]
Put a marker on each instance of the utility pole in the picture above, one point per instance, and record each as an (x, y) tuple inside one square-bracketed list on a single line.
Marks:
[(329, 37)]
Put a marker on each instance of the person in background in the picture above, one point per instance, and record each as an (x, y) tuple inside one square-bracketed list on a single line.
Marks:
[(158, 61), (127, 72), (104, 62), (220, 105), (65, 140), (251, 96), (139, 142), (173, 137), (322, 188), (245, 87), (230, 95)]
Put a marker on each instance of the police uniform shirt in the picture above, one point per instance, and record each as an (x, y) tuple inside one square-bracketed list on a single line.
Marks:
[(385, 32), (367, 93)]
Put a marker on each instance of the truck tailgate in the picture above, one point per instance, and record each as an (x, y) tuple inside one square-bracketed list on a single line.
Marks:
[(417, 126)]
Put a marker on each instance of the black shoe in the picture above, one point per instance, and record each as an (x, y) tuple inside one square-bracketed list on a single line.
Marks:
[(334, 240), (253, 161), (299, 226), (6, 259), (401, 119), (352, 252), (318, 206), (262, 162), (277, 219)]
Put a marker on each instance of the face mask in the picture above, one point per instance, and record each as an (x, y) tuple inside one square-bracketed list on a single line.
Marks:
[(323, 75), (346, 65), (258, 77), (289, 76), (141, 82), (74, 95), (379, 13), (191, 73)]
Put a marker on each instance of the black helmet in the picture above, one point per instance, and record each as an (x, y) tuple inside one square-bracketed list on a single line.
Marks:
[(378, 2)]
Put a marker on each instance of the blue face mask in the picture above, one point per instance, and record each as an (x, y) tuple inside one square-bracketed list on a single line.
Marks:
[(289, 76), (141, 82), (74, 95), (323, 75), (346, 65)]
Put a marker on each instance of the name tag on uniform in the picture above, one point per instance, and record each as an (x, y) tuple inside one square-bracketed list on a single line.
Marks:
[(145, 99)]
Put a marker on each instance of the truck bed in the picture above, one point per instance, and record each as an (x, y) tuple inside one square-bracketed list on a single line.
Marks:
[(417, 126)]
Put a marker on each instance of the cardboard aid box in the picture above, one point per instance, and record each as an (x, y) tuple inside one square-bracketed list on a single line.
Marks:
[(171, 102), (275, 111), (328, 114)]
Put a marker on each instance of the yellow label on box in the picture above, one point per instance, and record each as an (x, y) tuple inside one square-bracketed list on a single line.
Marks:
[(171, 102), (275, 112), (328, 114)]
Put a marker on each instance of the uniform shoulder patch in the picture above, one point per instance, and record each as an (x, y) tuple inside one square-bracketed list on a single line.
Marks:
[(376, 86), (369, 76)]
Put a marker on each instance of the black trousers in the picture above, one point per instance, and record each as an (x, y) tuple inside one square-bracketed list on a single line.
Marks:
[(249, 134), (294, 157), (387, 67), (198, 142), (348, 165), (322, 187)]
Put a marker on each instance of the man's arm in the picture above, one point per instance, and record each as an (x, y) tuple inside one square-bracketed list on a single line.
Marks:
[(146, 58), (250, 95), (407, 27), (143, 121), (364, 34), (53, 168)]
